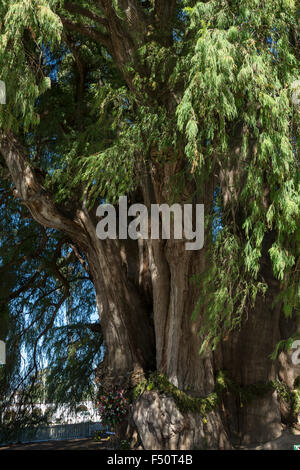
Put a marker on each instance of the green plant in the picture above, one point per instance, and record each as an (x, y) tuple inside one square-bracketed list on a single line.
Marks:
[(124, 445)]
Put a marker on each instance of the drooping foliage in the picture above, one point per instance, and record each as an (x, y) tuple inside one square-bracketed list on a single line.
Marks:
[(245, 59), (47, 313)]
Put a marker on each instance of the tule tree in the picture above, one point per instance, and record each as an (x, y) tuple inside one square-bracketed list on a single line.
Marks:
[(170, 102)]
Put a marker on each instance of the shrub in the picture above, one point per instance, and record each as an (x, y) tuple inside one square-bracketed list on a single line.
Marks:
[(113, 408)]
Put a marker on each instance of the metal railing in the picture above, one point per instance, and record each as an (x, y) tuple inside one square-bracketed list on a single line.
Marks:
[(59, 432)]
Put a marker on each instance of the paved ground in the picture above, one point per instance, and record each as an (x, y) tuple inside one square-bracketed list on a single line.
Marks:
[(286, 442), (76, 444)]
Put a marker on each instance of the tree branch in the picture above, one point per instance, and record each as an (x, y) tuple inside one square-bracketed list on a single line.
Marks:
[(32, 193), (23, 288), (81, 260), (164, 12), (134, 16), (86, 31), (77, 9), (48, 326)]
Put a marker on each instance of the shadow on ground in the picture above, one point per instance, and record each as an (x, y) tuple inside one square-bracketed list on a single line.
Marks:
[(76, 444), (286, 441)]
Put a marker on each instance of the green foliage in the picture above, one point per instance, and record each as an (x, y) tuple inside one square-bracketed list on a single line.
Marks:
[(13, 421), (223, 385), (239, 75), (284, 345), (125, 445), (25, 28), (291, 397), (227, 290), (138, 390), (32, 266), (183, 400)]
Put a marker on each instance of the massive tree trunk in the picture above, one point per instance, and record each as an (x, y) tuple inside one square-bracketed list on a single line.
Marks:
[(245, 355), (159, 422)]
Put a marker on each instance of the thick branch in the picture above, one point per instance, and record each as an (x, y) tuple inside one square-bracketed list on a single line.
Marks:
[(77, 9), (32, 193), (135, 15), (86, 31), (80, 258), (130, 31), (164, 12)]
